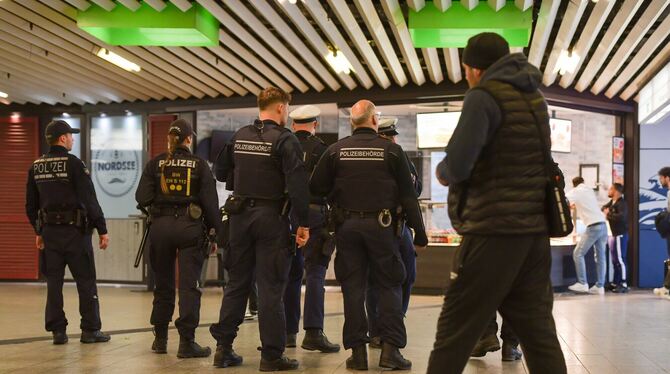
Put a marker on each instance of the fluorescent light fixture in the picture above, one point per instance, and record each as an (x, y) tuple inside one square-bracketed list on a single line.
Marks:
[(338, 61), (567, 62), (66, 115), (103, 114), (129, 113), (3, 95), (292, 1), (117, 60), (15, 115)]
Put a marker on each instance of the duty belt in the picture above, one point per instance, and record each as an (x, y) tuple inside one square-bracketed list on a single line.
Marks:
[(66, 217), (264, 202), (159, 211), (383, 216)]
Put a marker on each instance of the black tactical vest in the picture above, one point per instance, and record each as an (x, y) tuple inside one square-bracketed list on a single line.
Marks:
[(310, 146), (258, 172), (181, 177), (363, 179), (505, 194), (54, 181)]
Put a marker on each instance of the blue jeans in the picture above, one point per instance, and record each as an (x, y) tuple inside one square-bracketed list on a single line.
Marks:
[(595, 235)]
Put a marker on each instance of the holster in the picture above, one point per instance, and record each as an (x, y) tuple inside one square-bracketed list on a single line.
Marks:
[(399, 222), (234, 204)]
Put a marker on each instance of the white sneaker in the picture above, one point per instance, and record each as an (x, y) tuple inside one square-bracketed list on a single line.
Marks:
[(597, 290), (579, 288), (662, 291)]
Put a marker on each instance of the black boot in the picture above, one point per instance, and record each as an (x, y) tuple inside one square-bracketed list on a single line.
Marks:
[(375, 342), (225, 357), (358, 359), (96, 336), (485, 345), (160, 341), (281, 364), (510, 352), (59, 337), (316, 340), (391, 358), (291, 340), (190, 349)]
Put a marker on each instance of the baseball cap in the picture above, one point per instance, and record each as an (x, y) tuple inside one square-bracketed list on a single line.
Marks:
[(57, 128), (182, 128)]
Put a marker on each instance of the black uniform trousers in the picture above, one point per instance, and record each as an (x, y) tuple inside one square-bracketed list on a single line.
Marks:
[(364, 246), (666, 282), (510, 274), (506, 333), (68, 245), (177, 238), (259, 239)]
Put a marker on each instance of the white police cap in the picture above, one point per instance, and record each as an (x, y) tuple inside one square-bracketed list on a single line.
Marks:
[(387, 126), (305, 114)]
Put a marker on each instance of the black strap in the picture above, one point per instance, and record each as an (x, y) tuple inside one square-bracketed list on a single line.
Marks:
[(546, 151)]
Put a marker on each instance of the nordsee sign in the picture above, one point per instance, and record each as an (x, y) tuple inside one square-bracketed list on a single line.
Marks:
[(116, 171)]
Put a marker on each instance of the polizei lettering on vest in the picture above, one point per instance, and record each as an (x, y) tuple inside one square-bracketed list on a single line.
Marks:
[(362, 154), (178, 163)]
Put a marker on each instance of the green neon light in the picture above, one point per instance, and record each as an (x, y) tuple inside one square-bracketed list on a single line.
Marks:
[(430, 28), (149, 27)]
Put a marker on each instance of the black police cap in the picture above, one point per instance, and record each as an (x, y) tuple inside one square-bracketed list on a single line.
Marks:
[(181, 128), (57, 128)]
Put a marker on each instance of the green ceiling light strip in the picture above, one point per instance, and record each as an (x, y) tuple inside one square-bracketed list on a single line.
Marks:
[(431, 28), (148, 27)]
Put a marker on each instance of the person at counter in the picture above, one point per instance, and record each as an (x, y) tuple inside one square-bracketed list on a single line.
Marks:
[(583, 199), (388, 130), (179, 191), (496, 174), (366, 178), (616, 212)]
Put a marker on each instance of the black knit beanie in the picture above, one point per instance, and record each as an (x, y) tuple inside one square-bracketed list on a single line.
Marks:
[(484, 49)]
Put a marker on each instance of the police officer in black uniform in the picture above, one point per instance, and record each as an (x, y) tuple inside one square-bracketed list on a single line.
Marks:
[(62, 207), (261, 165), (388, 130), (311, 259), (179, 191), (367, 179)]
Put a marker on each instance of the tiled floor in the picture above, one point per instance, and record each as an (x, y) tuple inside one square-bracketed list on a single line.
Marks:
[(599, 334)]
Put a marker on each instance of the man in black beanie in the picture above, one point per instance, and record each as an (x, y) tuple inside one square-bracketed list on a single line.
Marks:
[(495, 167)]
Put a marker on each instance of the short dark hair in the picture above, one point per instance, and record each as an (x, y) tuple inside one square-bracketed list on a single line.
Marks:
[(272, 95), (618, 187), (576, 181), (665, 172)]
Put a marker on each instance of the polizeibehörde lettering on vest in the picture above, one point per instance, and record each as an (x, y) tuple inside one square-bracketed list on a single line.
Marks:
[(253, 148), (361, 154)]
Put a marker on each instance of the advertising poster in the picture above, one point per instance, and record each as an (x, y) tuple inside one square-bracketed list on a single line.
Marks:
[(617, 173), (617, 150)]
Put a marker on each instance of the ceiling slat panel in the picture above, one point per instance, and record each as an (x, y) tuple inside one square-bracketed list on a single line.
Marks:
[(543, 26), (216, 79), (248, 72), (571, 20), (369, 13), (155, 69), (108, 5), (240, 32), (158, 5), (453, 64), (432, 60), (229, 42), (623, 17), (309, 32), (470, 4), (232, 75), (417, 5), (10, 74), (80, 4), (287, 33), (442, 5), (641, 57), (360, 41), (328, 27), (399, 26), (130, 4), (596, 20), (497, 4), (650, 15), (32, 93), (183, 5), (524, 4), (648, 73)]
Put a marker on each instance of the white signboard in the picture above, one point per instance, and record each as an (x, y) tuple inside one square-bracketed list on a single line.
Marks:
[(434, 130)]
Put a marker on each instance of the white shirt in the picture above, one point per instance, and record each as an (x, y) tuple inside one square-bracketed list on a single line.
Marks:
[(588, 209)]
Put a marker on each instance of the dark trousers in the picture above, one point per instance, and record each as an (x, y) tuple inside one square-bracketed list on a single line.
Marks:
[(363, 247), (67, 245), (506, 333), (178, 239), (619, 249), (666, 283), (505, 273), (408, 255), (259, 239), (314, 263)]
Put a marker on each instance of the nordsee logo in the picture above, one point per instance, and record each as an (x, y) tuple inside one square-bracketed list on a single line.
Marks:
[(653, 199), (116, 171)]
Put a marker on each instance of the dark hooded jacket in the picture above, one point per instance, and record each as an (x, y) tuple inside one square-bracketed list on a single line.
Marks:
[(495, 162)]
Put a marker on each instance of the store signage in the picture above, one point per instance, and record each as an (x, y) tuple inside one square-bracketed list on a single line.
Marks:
[(116, 171), (561, 135), (434, 130), (654, 103)]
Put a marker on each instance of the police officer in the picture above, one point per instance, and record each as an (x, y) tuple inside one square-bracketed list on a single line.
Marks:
[(261, 164), (305, 122), (63, 209), (180, 192), (388, 130), (367, 178)]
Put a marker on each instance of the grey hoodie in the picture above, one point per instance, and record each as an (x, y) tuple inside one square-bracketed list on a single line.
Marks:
[(481, 116)]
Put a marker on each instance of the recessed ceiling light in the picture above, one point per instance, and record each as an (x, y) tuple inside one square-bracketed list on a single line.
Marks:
[(567, 62), (117, 60), (103, 114), (66, 114), (338, 61), (2, 94)]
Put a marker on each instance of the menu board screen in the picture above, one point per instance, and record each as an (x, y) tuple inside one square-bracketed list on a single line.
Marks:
[(434, 130), (561, 135)]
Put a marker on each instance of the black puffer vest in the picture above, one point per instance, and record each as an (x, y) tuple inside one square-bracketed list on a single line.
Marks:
[(505, 194)]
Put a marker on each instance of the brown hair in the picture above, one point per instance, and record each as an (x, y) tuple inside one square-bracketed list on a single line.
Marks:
[(576, 181), (272, 95), (173, 141)]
